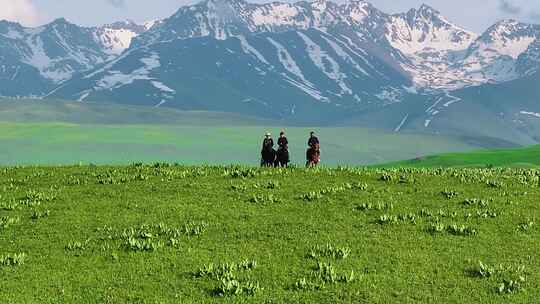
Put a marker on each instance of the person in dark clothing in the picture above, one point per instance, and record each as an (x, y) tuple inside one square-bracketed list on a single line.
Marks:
[(268, 142), (283, 143), (282, 156), (268, 154), (313, 154), (313, 140)]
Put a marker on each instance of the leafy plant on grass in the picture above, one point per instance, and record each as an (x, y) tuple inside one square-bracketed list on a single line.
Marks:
[(134, 244), (265, 199), (229, 283), (241, 173), (34, 198), (454, 229), (509, 279), (239, 188), (512, 285), (8, 221), (386, 177), (361, 186), (405, 179), (9, 206), (317, 195), (526, 226), (37, 214), (195, 228), (311, 196), (329, 251), (16, 259), (375, 207), (226, 269), (76, 246), (436, 228), (494, 184), (476, 202), (38, 196), (173, 242), (484, 214), (75, 181), (324, 273), (449, 194), (460, 230), (386, 219), (232, 287), (271, 185)]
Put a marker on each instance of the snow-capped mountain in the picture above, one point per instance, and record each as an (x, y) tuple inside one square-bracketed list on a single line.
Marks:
[(285, 74), (33, 60), (431, 44), (293, 59), (493, 57), (222, 19)]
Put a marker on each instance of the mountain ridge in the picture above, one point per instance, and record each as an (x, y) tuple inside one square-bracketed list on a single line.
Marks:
[(318, 62)]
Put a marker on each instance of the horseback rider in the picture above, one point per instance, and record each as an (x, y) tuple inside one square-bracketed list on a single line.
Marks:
[(283, 151), (283, 143), (267, 151), (313, 154), (313, 140), (268, 142)]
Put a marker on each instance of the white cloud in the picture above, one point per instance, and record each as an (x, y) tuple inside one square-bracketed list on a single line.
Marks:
[(22, 11)]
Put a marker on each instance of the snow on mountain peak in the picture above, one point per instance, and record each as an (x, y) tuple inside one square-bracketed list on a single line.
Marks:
[(422, 43), (116, 37), (425, 29), (150, 24), (320, 5)]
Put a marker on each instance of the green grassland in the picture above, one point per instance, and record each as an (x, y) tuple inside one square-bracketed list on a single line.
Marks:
[(524, 157), (62, 143), (174, 234), (53, 132)]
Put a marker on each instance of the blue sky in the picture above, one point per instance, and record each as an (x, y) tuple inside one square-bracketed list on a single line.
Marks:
[(475, 15)]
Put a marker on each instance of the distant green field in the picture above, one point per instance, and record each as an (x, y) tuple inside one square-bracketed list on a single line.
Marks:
[(63, 143), (524, 157), (56, 132), (38, 111)]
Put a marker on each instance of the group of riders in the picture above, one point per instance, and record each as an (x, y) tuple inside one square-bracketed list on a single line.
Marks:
[(281, 158)]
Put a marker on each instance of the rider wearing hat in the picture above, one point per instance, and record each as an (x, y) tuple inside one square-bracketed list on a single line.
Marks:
[(313, 140), (268, 142), (283, 143), (283, 150)]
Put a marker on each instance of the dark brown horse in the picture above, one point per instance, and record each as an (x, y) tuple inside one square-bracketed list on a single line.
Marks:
[(313, 156), (268, 157), (282, 157)]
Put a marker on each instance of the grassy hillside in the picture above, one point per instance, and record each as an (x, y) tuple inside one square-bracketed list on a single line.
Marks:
[(37, 111), (525, 157), (492, 115), (168, 234)]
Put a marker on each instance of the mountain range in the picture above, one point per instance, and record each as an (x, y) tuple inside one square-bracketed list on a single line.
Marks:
[(314, 62)]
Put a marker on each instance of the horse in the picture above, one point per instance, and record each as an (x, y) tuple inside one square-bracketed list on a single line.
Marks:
[(282, 158), (268, 157), (313, 156)]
